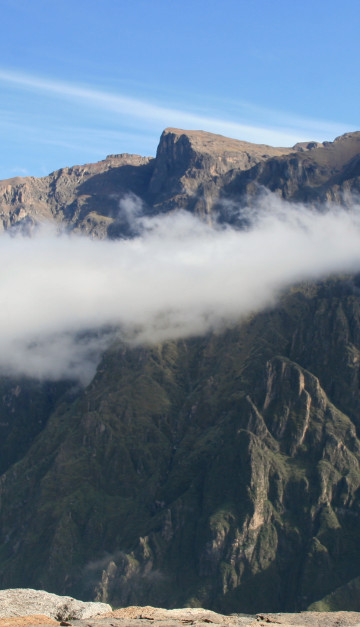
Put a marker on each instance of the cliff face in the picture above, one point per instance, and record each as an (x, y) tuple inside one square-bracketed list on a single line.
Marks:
[(221, 471), (217, 472), (190, 167)]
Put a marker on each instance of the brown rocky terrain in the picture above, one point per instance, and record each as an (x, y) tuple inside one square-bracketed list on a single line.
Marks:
[(194, 170), (315, 173), (23, 621), (81, 197), (189, 171), (190, 617)]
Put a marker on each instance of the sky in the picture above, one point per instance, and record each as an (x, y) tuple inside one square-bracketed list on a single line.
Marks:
[(81, 80)]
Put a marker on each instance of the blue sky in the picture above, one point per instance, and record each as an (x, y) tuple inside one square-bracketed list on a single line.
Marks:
[(80, 80)]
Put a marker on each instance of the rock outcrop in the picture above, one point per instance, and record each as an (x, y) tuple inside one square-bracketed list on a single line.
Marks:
[(27, 602), (190, 166)]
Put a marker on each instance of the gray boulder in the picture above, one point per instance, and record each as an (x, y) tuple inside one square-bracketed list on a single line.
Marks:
[(27, 602)]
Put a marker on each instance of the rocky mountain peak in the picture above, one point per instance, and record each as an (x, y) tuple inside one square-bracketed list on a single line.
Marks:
[(191, 164), (179, 150)]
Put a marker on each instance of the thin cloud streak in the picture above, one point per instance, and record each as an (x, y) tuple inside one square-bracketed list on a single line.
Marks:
[(165, 116), (77, 138), (291, 120)]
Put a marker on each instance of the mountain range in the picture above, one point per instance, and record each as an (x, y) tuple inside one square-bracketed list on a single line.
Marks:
[(193, 170), (220, 470)]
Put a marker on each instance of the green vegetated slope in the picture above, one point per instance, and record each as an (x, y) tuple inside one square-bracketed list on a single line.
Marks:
[(221, 471), (25, 407), (347, 596)]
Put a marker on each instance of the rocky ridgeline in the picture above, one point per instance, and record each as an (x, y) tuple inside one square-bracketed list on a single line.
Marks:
[(197, 171), (26, 608)]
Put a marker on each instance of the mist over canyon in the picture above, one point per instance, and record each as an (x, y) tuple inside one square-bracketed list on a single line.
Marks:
[(67, 297), (179, 358)]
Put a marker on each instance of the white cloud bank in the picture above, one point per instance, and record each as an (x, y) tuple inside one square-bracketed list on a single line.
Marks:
[(179, 278)]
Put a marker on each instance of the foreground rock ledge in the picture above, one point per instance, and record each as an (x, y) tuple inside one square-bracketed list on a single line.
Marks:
[(26, 608), (141, 616)]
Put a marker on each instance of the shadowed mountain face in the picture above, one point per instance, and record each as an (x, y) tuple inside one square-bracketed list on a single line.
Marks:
[(221, 471)]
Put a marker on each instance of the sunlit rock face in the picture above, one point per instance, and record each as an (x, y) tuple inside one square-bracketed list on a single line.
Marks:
[(220, 471), (198, 171)]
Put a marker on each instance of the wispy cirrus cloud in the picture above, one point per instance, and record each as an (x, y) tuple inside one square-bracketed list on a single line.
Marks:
[(282, 130), (82, 138)]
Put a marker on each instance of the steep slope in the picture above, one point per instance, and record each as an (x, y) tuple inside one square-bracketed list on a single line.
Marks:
[(25, 407), (215, 471)]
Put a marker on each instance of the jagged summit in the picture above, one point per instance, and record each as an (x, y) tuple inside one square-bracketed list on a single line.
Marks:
[(202, 156)]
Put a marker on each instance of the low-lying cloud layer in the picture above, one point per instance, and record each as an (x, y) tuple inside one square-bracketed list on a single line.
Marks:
[(178, 278)]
